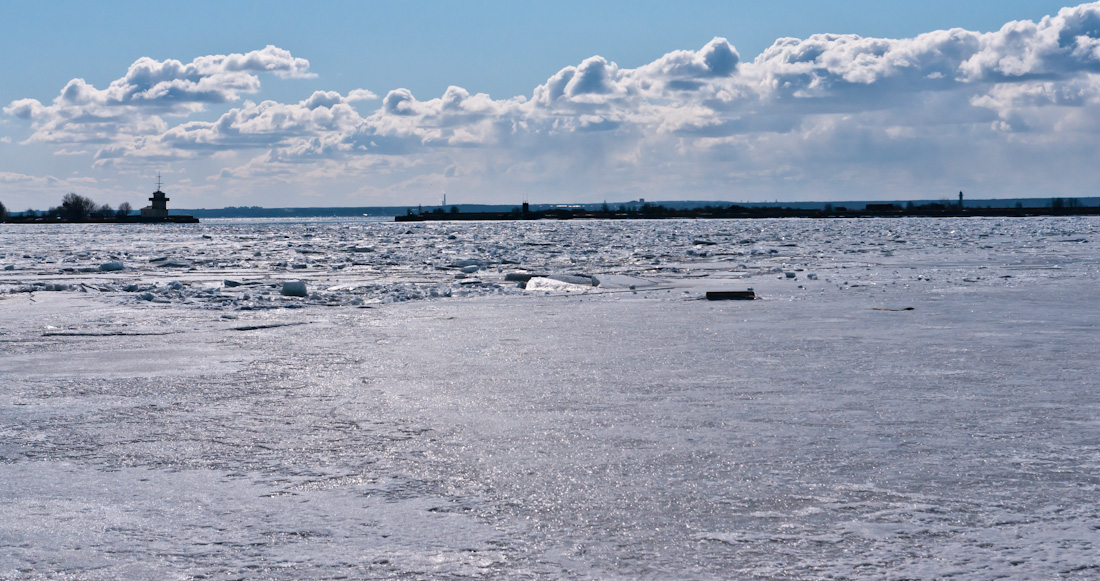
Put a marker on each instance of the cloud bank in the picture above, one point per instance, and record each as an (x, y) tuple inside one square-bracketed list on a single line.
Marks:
[(1010, 112)]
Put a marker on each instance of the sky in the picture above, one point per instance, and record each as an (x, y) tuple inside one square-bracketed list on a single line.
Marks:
[(281, 104)]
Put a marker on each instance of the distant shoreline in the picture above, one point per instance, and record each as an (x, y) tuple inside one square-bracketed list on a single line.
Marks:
[(174, 219), (1026, 204), (635, 209), (735, 212)]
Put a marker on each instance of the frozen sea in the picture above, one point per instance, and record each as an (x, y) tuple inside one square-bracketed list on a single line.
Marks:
[(909, 399)]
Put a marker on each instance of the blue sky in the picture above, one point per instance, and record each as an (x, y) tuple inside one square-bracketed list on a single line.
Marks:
[(356, 103)]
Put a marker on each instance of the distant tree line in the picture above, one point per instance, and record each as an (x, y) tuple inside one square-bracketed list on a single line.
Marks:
[(1059, 203), (75, 208)]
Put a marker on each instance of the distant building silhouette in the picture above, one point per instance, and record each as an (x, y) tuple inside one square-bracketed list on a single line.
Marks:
[(159, 206)]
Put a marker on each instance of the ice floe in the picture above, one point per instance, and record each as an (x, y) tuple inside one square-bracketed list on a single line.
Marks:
[(357, 262)]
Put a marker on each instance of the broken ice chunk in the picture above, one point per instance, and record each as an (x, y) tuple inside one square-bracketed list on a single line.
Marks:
[(581, 279), (520, 276), (555, 284), (294, 288)]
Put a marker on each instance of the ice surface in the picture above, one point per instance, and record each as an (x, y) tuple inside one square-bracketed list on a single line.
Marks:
[(229, 264), (183, 418)]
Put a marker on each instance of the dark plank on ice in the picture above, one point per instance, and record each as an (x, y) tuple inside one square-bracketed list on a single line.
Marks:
[(731, 295)]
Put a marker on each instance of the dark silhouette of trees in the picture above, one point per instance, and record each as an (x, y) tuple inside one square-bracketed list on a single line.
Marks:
[(3, 211), (76, 207), (1063, 203), (648, 209), (124, 209)]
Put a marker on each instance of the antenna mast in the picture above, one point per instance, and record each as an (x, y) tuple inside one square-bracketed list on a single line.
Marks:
[(158, 181)]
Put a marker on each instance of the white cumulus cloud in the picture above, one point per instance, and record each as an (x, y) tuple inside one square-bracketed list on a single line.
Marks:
[(825, 116), (135, 103)]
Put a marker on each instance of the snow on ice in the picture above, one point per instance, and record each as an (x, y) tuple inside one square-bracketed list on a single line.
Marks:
[(910, 398)]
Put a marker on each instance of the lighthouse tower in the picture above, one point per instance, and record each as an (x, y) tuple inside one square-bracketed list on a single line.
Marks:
[(159, 206)]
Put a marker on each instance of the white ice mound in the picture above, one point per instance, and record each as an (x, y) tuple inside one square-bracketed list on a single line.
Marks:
[(111, 266), (294, 288), (577, 279), (547, 284)]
